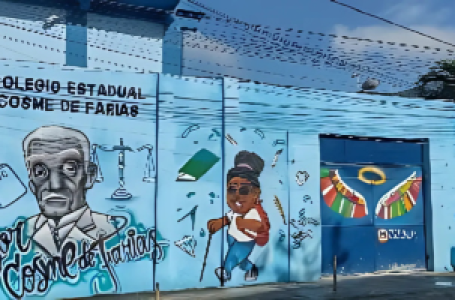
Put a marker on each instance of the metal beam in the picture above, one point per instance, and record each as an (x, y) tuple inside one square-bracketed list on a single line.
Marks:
[(76, 38), (103, 8), (172, 52), (159, 4), (75, 20)]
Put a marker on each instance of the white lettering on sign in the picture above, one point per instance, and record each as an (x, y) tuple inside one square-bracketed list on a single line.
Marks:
[(395, 234)]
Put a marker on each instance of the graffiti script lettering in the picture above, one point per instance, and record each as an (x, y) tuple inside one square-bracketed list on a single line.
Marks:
[(24, 275)]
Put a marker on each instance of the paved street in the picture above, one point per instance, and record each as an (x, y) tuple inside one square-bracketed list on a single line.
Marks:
[(379, 286)]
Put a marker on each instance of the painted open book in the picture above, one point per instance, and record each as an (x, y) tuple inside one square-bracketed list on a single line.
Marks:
[(197, 166)]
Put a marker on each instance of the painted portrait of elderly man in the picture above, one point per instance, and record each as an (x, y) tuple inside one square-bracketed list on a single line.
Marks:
[(60, 174)]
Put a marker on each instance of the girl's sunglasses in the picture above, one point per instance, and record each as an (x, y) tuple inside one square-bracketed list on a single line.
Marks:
[(243, 190)]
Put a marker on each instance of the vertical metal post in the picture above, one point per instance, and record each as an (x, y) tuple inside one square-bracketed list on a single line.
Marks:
[(172, 53), (289, 208), (76, 38), (157, 135), (223, 136), (334, 273), (428, 215)]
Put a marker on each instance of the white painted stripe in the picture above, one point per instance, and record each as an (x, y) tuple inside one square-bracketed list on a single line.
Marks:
[(251, 232), (411, 198), (353, 210), (348, 187), (389, 193), (341, 205), (386, 212), (327, 189)]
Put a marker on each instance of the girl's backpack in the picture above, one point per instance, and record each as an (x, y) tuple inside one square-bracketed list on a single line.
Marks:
[(262, 236)]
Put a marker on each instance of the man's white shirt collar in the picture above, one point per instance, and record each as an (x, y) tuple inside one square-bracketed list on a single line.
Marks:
[(81, 218)]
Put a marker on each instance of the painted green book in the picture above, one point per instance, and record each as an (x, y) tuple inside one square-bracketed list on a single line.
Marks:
[(197, 166)]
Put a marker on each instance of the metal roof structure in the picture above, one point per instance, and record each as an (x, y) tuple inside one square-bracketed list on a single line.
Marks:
[(74, 15)]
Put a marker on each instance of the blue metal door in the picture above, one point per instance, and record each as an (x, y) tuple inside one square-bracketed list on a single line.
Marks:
[(372, 208), (354, 247), (400, 247)]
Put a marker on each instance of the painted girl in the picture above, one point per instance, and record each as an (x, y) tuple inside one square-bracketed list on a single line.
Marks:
[(247, 222)]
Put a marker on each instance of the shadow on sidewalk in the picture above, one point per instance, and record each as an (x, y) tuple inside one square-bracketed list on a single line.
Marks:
[(386, 286)]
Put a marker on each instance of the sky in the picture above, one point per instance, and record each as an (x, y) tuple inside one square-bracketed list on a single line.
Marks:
[(325, 16), (219, 49), (432, 17)]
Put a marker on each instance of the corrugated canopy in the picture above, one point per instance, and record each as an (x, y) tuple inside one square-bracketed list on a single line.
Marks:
[(159, 4)]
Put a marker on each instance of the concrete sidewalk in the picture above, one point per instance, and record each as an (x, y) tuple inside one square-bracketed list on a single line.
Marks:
[(421, 285)]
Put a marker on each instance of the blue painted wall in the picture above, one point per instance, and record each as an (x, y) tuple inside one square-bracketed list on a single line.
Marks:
[(103, 214), (207, 120)]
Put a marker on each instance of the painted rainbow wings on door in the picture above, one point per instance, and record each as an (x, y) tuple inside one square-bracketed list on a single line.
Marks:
[(340, 197), (399, 200)]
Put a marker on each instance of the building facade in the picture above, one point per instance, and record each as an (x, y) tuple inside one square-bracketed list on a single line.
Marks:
[(116, 176)]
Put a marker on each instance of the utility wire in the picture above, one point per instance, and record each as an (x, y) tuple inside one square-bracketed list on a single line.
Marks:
[(392, 23), (216, 74), (141, 56), (12, 50), (190, 60), (356, 66), (109, 4), (258, 28), (252, 50), (314, 33), (226, 19)]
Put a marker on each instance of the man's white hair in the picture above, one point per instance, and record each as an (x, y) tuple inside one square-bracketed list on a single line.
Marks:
[(57, 133)]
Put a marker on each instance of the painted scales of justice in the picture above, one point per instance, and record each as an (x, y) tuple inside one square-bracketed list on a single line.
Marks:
[(121, 193)]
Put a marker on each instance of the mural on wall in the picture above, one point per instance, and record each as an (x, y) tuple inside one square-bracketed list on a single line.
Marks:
[(11, 186), (58, 163), (399, 200), (201, 162), (301, 177), (121, 193), (300, 233), (230, 218), (248, 223), (77, 182), (93, 252), (392, 235), (67, 238), (340, 197), (349, 203)]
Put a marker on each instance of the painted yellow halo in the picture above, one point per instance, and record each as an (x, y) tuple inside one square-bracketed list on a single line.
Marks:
[(376, 171)]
